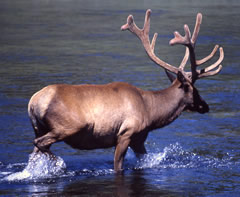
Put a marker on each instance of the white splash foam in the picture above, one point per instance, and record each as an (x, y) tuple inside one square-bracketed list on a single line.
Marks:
[(174, 156), (39, 166)]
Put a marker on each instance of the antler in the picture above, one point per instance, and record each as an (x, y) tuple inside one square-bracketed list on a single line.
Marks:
[(188, 40), (143, 35)]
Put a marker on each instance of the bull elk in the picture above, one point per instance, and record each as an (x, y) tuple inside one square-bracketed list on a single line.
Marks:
[(118, 114)]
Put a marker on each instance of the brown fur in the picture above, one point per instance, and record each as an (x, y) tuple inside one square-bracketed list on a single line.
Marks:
[(102, 116)]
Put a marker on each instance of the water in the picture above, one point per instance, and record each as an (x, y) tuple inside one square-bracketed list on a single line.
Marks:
[(47, 42)]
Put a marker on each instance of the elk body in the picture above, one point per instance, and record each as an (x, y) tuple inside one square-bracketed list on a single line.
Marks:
[(118, 114)]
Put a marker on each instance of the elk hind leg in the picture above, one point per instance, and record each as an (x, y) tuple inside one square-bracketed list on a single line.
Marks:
[(44, 142), (138, 149)]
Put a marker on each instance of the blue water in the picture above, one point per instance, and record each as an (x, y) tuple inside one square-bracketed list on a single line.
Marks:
[(48, 42)]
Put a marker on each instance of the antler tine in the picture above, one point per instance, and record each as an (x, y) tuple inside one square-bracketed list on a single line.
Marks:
[(209, 71), (197, 28), (189, 41), (185, 59), (146, 26), (213, 66), (184, 40), (154, 41), (178, 39), (143, 35), (220, 59), (131, 26), (207, 58)]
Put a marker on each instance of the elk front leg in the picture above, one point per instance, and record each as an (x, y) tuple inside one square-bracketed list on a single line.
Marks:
[(120, 152)]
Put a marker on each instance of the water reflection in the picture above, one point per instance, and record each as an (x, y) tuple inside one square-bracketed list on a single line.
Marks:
[(133, 184)]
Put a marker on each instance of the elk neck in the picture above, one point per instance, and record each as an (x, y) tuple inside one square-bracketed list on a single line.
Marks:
[(164, 106)]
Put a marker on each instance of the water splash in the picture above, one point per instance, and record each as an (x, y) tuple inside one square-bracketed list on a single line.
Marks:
[(174, 156), (39, 166), (44, 166)]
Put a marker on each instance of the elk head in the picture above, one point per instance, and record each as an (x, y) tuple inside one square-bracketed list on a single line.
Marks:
[(193, 100)]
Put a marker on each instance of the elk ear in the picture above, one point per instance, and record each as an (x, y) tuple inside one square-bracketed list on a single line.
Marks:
[(171, 77), (181, 78)]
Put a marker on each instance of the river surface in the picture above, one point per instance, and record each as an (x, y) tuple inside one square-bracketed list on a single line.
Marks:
[(78, 42)]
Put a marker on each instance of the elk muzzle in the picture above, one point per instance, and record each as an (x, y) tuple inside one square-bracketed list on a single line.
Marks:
[(199, 104)]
